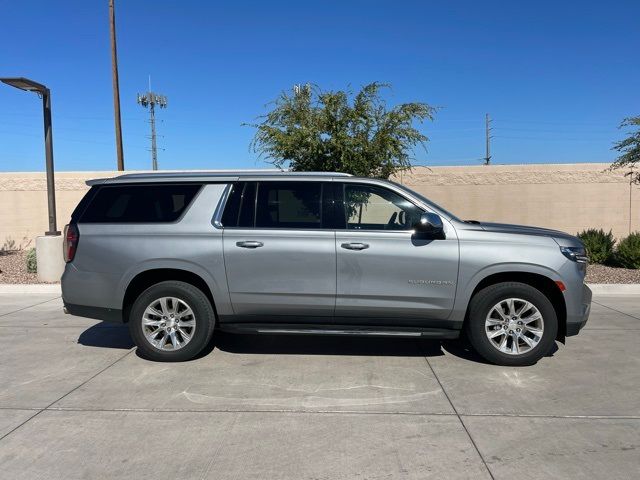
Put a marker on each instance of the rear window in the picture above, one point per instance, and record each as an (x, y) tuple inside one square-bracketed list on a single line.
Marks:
[(139, 203)]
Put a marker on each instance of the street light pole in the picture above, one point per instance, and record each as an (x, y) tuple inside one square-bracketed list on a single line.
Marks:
[(42, 91), (48, 247), (48, 147)]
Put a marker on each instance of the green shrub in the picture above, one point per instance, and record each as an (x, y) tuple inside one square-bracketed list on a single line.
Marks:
[(599, 245), (32, 264), (628, 252)]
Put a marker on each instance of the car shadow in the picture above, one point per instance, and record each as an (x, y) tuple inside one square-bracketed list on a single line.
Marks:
[(106, 335), (461, 348), (324, 345)]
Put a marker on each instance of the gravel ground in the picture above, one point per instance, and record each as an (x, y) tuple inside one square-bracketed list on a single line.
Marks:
[(13, 270), (603, 274)]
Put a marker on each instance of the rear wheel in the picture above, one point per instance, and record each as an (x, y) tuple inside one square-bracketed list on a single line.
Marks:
[(171, 321), (511, 324)]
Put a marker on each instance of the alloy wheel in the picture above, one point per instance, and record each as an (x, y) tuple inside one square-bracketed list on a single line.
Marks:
[(514, 326), (168, 323)]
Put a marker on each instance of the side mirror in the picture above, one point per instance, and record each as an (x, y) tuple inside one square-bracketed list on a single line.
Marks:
[(430, 225)]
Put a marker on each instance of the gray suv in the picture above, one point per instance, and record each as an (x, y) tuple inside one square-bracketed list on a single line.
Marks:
[(180, 255)]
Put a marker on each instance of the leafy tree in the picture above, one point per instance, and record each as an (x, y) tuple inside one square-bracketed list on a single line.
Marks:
[(312, 130), (629, 148)]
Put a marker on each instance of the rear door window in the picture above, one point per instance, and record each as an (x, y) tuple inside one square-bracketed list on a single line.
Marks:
[(291, 205), (286, 205), (139, 203), (240, 207)]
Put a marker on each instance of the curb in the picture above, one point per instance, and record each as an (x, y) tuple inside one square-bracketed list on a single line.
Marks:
[(30, 288), (615, 288), (54, 288)]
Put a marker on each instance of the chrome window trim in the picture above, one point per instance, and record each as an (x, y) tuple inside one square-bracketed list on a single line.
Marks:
[(400, 191), (216, 220), (344, 180), (172, 222), (385, 186)]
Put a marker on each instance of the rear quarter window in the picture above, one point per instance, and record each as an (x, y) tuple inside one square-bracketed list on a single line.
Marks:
[(139, 203)]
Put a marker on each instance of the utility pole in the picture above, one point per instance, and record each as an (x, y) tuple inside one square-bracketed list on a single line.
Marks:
[(630, 174), (116, 85), (487, 122), (150, 100)]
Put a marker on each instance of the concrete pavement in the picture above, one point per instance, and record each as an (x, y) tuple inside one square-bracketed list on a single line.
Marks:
[(77, 402)]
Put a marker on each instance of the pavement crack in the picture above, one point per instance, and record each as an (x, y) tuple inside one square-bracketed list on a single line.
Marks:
[(63, 396), (214, 457), (327, 412), (460, 419), (246, 410), (30, 306), (20, 425), (615, 310)]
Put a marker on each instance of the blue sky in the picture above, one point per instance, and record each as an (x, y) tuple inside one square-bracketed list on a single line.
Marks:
[(557, 77)]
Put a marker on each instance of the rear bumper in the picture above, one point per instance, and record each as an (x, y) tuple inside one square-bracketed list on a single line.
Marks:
[(104, 314), (578, 320), (82, 291), (89, 288)]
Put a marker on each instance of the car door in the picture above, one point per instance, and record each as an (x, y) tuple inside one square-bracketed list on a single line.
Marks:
[(385, 273), (279, 259)]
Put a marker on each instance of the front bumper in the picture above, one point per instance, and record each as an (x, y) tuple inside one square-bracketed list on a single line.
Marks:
[(577, 321)]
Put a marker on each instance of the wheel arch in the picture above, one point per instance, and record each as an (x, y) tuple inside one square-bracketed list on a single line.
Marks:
[(148, 278), (541, 282)]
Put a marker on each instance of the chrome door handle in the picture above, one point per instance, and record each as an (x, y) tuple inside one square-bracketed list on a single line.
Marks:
[(249, 244), (355, 246)]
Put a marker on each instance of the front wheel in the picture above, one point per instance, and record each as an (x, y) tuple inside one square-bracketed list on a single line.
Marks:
[(511, 324), (171, 322)]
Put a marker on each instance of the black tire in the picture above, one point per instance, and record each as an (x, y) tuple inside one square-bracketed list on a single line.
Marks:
[(202, 313), (482, 303)]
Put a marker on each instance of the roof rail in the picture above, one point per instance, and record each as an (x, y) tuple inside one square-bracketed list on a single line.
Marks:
[(208, 175)]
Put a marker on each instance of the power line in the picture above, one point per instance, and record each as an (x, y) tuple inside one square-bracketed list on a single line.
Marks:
[(58, 128), (537, 130), (551, 139), (536, 122), (62, 138), (67, 117)]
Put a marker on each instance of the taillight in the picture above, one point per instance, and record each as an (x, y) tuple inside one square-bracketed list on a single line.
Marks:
[(71, 238)]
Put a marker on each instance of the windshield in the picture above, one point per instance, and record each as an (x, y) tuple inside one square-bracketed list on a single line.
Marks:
[(426, 200)]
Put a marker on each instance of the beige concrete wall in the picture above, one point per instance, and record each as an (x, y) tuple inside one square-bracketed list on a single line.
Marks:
[(23, 203), (565, 197)]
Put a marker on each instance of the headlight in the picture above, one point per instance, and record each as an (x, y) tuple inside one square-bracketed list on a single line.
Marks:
[(575, 254)]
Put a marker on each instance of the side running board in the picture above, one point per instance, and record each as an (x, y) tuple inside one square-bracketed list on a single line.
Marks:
[(346, 330)]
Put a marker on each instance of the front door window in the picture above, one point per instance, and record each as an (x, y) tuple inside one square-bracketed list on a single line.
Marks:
[(368, 207)]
